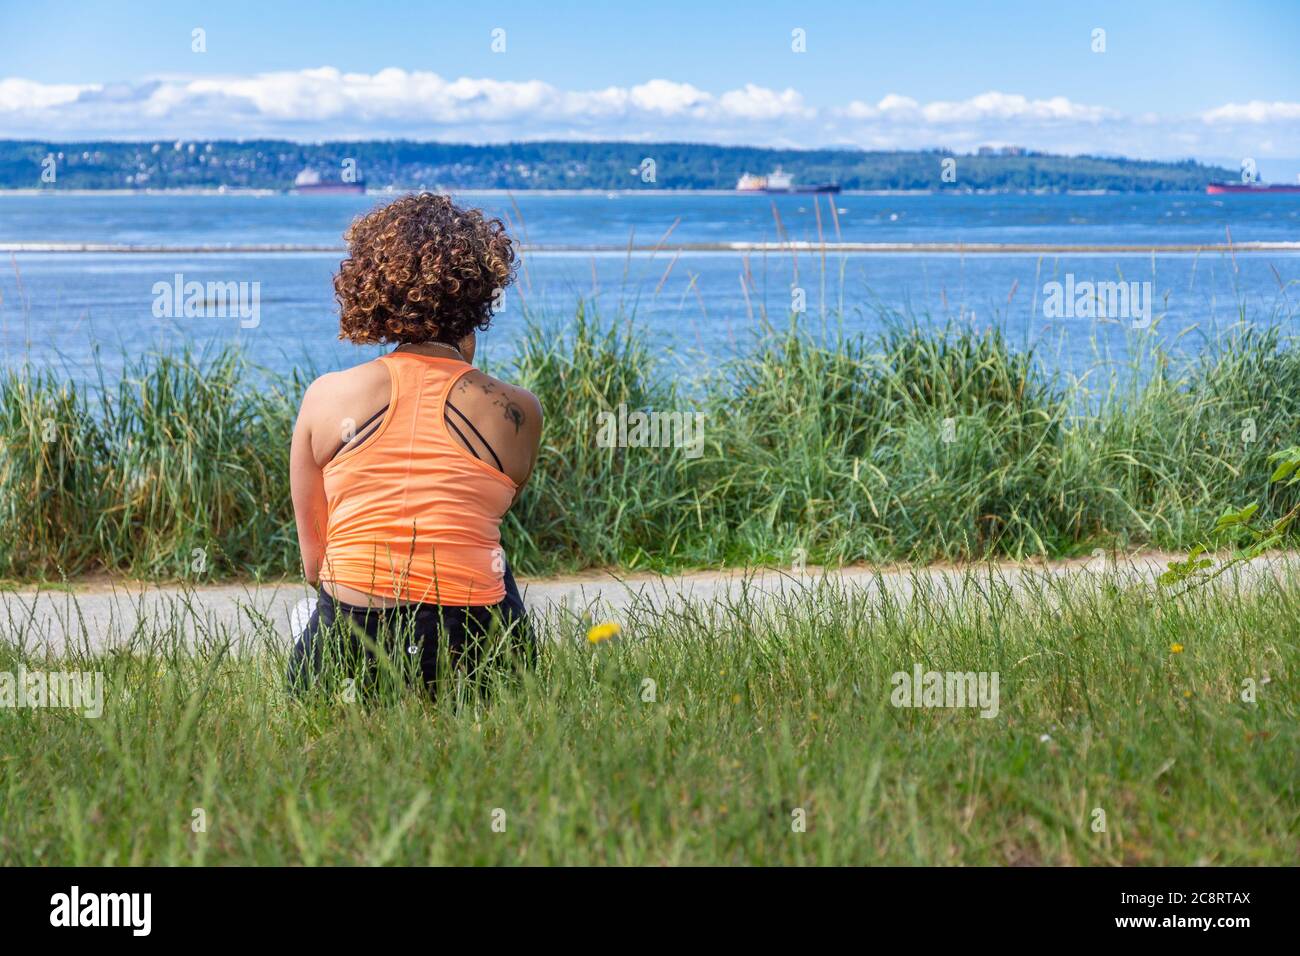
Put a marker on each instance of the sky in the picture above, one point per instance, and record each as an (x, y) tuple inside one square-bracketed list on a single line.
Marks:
[(1213, 81)]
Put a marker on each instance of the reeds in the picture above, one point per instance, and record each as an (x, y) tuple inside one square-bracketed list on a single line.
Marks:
[(923, 445)]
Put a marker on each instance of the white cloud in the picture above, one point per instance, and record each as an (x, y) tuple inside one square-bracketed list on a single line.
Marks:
[(668, 98), (1256, 111), (1004, 106), (328, 103), (984, 107), (757, 102), (17, 94), (892, 105)]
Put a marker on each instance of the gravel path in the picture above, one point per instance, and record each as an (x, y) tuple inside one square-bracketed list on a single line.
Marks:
[(97, 616)]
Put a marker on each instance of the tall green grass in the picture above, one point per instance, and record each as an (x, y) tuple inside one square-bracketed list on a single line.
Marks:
[(699, 739), (176, 470), (922, 445)]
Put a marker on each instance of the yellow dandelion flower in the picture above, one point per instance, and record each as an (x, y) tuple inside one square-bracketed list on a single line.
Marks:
[(735, 698), (1176, 648), (604, 632)]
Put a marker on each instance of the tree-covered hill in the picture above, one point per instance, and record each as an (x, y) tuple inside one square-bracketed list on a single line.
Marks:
[(273, 164)]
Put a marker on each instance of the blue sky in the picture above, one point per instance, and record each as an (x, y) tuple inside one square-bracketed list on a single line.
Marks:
[(1212, 80)]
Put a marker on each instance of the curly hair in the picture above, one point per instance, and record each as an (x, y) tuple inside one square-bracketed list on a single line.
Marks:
[(421, 269)]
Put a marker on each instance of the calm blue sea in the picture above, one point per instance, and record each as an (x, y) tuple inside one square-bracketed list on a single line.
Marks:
[(700, 307)]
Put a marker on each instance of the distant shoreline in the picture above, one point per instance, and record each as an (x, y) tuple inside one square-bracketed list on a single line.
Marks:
[(240, 191), (595, 166)]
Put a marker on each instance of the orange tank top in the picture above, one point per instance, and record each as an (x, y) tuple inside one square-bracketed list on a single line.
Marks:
[(411, 514)]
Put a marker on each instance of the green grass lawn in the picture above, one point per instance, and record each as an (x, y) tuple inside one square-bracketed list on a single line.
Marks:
[(760, 716)]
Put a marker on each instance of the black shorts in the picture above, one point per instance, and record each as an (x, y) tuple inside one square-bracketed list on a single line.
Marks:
[(355, 636)]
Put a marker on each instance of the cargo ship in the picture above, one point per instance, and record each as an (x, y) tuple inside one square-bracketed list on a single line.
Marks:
[(777, 182), (309, 182), (1216, 189)]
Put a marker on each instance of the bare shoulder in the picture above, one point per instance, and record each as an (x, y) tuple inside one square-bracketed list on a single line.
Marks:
[(517, 407), (347, 387), (335, 405), (507, 422)]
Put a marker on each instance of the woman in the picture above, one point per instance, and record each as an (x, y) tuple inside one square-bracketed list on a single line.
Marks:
[(402, 468)]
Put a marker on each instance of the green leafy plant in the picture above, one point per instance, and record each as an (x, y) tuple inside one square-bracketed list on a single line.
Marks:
[(1262, 538)]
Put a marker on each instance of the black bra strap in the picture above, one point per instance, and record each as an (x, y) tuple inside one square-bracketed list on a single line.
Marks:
[(364, 432), (360, 433), (500, 467), (461, 435)]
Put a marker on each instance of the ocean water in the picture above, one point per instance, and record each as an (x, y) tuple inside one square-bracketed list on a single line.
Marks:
[(697, 307)]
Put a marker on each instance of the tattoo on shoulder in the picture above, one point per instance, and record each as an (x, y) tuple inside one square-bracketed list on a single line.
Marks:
[(515, 414)]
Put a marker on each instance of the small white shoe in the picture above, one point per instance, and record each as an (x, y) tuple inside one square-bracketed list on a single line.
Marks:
[(300, 616)]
